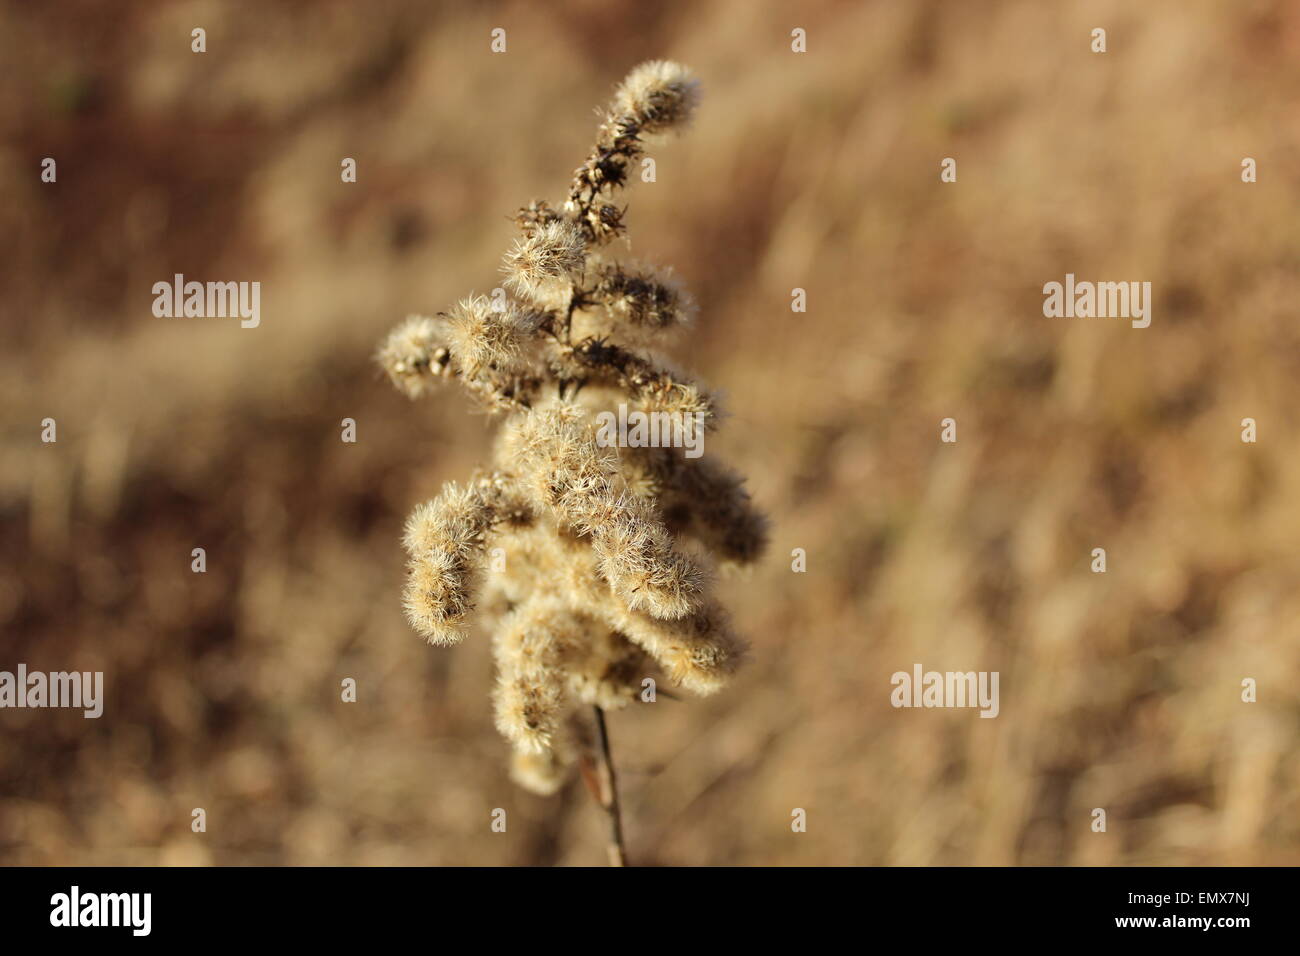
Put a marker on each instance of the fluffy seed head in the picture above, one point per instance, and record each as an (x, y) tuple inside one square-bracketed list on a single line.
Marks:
[(539, 773), (528, 709), (544, 261), (438, 598), (531, 650), (445, 539), (647, 299), (453, 523), (635, 555), (609, 672), (699, 652), (415, 355), (660, 94), (482, 338)]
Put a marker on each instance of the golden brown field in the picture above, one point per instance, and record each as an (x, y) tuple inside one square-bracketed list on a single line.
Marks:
[(817, 171)]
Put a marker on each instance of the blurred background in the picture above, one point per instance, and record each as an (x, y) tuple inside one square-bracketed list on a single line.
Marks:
[(817, 171)]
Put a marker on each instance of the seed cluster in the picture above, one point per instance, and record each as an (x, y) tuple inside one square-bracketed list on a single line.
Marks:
[(591, 563)]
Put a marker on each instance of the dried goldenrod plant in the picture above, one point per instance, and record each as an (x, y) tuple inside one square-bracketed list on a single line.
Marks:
[(590, 558)]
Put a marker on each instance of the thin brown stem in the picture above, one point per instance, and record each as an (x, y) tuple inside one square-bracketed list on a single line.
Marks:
[(609, 794)]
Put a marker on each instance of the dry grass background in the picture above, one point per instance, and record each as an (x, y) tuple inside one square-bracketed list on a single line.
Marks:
[(818, 171)]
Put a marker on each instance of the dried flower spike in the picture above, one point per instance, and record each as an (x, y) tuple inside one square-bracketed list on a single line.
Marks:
[(573, 551)]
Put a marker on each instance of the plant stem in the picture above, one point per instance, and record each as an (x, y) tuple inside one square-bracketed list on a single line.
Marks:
[(609, 794)]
